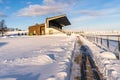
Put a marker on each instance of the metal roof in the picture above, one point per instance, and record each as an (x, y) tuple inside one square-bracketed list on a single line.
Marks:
[(61, 19)]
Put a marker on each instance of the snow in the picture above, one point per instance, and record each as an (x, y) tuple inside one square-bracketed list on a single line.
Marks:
[(8, 79), (39, 60), (36, 57), (108, 55), (49, 57)]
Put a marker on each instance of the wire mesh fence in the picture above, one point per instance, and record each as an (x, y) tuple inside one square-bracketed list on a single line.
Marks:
[(108, 42)]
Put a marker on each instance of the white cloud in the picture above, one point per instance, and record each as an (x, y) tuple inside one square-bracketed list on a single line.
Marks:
[(7, 7), (83, 18), (101, 12), (49, 1), (48, 7), (86, 18), (29, 3), (110, 11), (2, 14), (97, 15), (90, 12)]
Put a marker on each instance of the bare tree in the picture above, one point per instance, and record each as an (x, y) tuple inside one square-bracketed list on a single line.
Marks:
[(3, 27)]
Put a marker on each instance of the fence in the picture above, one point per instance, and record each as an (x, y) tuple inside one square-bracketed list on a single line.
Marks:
[(108, 42)]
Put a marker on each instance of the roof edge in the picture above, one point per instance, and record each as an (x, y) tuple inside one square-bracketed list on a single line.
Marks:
[(63, 15)]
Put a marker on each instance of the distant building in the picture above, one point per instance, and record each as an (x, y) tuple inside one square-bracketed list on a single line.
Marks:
[(53, 25), (38, 29)]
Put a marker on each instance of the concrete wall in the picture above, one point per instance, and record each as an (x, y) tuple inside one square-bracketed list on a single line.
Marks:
[(53, 31)]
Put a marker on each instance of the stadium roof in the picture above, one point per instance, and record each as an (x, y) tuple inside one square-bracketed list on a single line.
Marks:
[(61, 19)]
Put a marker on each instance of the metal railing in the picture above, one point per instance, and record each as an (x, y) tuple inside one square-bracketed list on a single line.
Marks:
[(108, 42)]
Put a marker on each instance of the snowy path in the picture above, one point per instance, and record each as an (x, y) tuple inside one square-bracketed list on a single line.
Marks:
[(83, 67)]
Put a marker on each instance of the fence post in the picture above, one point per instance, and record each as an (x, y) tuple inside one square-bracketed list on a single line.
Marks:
[(119, 46), (101, 41), (108, 43), (97, 40)]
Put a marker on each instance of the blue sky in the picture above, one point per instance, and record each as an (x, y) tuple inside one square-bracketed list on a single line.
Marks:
[(83, 14)]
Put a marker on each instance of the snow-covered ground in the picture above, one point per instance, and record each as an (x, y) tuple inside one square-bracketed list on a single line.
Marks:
[(105, 61), (49, 58), (36, 57)]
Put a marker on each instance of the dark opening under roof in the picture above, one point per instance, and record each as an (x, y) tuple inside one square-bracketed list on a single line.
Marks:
[(61, 19)]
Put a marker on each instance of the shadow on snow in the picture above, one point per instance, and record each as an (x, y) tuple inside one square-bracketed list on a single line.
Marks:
[(23, 77), (3, 43)]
